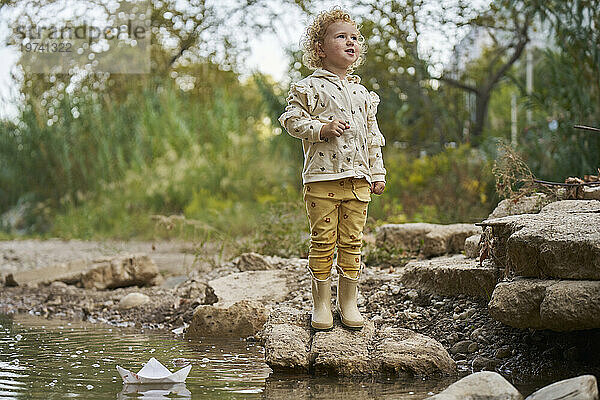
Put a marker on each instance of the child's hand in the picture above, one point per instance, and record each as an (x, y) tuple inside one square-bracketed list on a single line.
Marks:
[(334, 128), (377, 187)]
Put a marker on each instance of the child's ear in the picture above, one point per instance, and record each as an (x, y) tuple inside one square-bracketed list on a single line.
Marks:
[(319, 48)]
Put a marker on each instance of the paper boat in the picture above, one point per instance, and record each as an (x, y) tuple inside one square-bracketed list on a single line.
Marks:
[(154, 372)]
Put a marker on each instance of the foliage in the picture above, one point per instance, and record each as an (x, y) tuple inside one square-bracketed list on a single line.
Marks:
[(282, 231), (513, 176), (455, 185)]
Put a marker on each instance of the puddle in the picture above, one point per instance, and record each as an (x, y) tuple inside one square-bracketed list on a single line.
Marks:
[(51, 359)]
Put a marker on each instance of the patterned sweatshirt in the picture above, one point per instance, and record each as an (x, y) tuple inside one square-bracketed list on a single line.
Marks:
[(317, 100)]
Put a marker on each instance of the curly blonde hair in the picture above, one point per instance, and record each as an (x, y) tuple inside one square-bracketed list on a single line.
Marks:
[(315, 33)]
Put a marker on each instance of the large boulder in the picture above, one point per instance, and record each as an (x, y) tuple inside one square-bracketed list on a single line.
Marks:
[(264, 286), (426, 239), (562, 241), (291, 345), (547, 304), (241, 319), (583, 387), (483, 385), (101, 273), (451, 276)]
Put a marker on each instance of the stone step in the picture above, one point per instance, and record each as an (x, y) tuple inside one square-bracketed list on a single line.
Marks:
[(559, 305), (426, 239), (451, 276), (562, 241), (292, 346)]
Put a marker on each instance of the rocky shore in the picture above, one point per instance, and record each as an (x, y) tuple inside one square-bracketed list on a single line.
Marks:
[(445, 299)]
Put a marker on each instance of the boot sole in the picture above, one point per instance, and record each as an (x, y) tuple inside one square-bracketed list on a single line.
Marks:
[(353, 326), (320, 327), (350, 324)]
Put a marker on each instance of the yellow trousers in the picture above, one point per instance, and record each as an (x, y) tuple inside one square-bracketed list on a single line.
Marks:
[(337, 212)]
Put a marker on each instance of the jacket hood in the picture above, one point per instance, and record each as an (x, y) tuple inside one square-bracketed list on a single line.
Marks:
[(323, 73)]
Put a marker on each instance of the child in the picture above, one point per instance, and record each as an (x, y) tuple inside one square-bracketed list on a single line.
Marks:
[(334, 116)]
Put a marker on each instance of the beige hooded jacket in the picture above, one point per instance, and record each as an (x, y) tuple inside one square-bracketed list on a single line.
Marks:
[(320, 98)]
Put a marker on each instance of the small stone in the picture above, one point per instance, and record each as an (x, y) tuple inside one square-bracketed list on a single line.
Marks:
[(412, 294), (483, 363), (473, 347), (477, 332), (503, 352), (133, 300), (461, 347)]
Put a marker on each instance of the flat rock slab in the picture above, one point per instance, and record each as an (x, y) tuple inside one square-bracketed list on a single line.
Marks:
[(583, 387), (451, 276), (562, 241), (523, 205), (478, 386), (30, 254), (426, 239), (241, 319), (265, 286), (547, 304), (291, 345), (102, 273)]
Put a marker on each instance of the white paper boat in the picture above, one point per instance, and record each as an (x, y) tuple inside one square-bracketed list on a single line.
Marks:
[(154, 372)]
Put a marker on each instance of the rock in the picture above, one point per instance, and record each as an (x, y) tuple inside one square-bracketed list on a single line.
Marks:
[(68, 272), (133, 300), (451, 276), (547, 304), (591, 192), (472, 246), (241, 319), (461, 347), (427, 239), (503, 352), (564, 235), (252, 262), (483, 363), (287, 340), (402, 351), (523, 205), (102, 273), (583, 387), (480, 386), (122, 271), (572, 206), (290, 344), (263, 286), (342, 351), (198, 292)]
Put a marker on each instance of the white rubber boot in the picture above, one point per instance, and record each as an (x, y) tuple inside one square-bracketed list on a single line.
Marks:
[(322, 318), (347, 298)]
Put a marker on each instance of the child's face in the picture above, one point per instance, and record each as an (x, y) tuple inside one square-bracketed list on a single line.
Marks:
[(340, 46)]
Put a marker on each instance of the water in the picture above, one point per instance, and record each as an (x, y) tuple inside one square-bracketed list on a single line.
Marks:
[(52, 359)]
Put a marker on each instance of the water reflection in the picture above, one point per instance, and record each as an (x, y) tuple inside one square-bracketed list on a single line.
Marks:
[(290, 387), (155, 391)]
